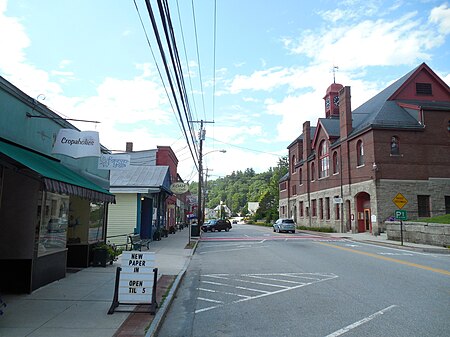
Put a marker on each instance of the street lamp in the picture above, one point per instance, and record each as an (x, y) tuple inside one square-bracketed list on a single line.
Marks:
[(200, 179)]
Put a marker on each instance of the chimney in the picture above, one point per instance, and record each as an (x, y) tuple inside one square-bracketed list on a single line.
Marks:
[(306, 139), (129, 147), (345, 112)]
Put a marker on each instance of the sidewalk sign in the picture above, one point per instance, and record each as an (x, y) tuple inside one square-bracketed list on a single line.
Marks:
[(136, 281)]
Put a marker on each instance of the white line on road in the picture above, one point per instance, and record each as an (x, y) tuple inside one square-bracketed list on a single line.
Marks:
[(273, 279), (356, 324), (208, 300), (222, 292), (257, 290)]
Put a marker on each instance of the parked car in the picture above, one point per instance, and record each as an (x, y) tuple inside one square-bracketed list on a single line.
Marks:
[(235, 221), (207, 225), (219, 225), (284, 225)]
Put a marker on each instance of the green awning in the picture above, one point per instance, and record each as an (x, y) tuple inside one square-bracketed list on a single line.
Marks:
[(57, 178)]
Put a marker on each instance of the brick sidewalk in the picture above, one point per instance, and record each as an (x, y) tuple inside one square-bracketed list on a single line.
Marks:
[(137, 323)]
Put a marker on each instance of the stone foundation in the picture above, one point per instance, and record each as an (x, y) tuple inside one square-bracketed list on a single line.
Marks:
[(419, 232)]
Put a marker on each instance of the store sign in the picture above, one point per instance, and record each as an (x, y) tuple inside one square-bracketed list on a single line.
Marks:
[(77, 144), (114, 161), (179, 188), (136, 277)]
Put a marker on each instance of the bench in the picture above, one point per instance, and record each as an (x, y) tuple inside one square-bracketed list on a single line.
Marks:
[(137, 243)]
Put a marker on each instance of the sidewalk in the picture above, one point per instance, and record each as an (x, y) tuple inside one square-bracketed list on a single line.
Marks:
[(78, 304)]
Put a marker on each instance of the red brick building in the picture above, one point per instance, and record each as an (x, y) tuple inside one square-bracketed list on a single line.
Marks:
[(345, 172)]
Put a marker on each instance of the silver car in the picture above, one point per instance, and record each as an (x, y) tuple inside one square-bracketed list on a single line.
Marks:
[(284, 225)]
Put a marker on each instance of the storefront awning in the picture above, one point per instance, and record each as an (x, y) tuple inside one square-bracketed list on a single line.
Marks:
[(57, 178)]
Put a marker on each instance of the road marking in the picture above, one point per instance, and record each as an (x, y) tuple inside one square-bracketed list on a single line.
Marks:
[(436, 270), (208, 300), (356, 324), (398, 254), (312, 278), (273, 279), (222, 292)]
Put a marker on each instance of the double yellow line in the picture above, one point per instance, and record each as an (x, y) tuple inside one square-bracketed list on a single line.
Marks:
[(435, 270)]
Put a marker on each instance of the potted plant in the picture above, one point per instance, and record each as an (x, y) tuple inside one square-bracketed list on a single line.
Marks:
[(104, 253)]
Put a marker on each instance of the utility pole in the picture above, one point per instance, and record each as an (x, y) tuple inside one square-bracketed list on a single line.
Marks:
[(201, 137)]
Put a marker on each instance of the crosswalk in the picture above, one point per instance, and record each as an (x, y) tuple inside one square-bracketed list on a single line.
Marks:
[(217, 290)]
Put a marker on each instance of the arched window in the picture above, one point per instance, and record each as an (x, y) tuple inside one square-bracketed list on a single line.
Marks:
[(395, 146), (313, 174), (360, 153), (335, 162), (324, 159), (293, 164)]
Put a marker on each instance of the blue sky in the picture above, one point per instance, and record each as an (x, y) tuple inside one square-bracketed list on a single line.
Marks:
[(273, 63)]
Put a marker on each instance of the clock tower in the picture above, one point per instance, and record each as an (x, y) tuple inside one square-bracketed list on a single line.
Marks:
[(332, 100)]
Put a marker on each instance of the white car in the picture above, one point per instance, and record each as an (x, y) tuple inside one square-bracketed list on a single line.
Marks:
[(284, 225)]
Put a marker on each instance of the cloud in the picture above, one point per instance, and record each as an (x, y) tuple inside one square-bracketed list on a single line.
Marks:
[(260, 80), (441, 17)]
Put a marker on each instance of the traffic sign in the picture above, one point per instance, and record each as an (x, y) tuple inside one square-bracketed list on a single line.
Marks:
[(399, 200), (400, 215)]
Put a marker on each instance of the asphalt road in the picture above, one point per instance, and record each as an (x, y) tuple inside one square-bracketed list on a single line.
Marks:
[(253, 282)]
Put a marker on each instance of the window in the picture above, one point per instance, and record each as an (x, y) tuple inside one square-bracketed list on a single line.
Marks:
[(327, 208), (324, 159), (313, 176), (338, 212), (423, 206), (447, 204), (300, 175), (360, 153), (314, 207), (335, 163), (321, 208), (300, 207), (424, 89), (294, 189), (395, 146), (293, 164), (283, 186), (53, 216)]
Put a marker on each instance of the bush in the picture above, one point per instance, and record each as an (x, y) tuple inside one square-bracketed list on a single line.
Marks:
[(317, 229)]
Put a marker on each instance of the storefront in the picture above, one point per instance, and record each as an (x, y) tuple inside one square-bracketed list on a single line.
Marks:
[(50, 217)]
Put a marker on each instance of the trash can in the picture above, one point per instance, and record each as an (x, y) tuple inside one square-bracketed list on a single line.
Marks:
[(195, 229)]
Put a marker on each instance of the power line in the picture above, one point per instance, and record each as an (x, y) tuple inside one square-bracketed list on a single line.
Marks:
[(246, 148), (163, 56)]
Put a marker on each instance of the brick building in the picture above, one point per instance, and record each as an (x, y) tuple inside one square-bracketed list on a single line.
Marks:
[(345, 172)]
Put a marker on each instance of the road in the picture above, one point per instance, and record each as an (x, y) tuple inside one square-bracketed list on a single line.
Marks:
[(253, 282)]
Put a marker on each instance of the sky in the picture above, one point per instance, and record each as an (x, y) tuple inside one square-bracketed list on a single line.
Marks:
[(256, 69)]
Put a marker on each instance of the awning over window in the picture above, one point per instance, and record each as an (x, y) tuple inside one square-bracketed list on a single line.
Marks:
[(57, 178)]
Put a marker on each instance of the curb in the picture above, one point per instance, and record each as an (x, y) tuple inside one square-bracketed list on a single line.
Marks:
[(161, 314)]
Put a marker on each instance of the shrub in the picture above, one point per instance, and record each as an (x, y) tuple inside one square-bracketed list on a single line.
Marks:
[(317, 229)]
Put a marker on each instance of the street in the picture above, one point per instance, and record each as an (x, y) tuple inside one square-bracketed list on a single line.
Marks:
[(253, 282)]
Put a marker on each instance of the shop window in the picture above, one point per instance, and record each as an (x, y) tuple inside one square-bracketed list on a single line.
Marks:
[(96, 222), (360, 153), (395, 146), (335, 163), (324, 159), (423, 206), (53, 216)]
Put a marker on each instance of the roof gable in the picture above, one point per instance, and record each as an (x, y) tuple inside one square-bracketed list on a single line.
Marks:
[(422, 74)]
